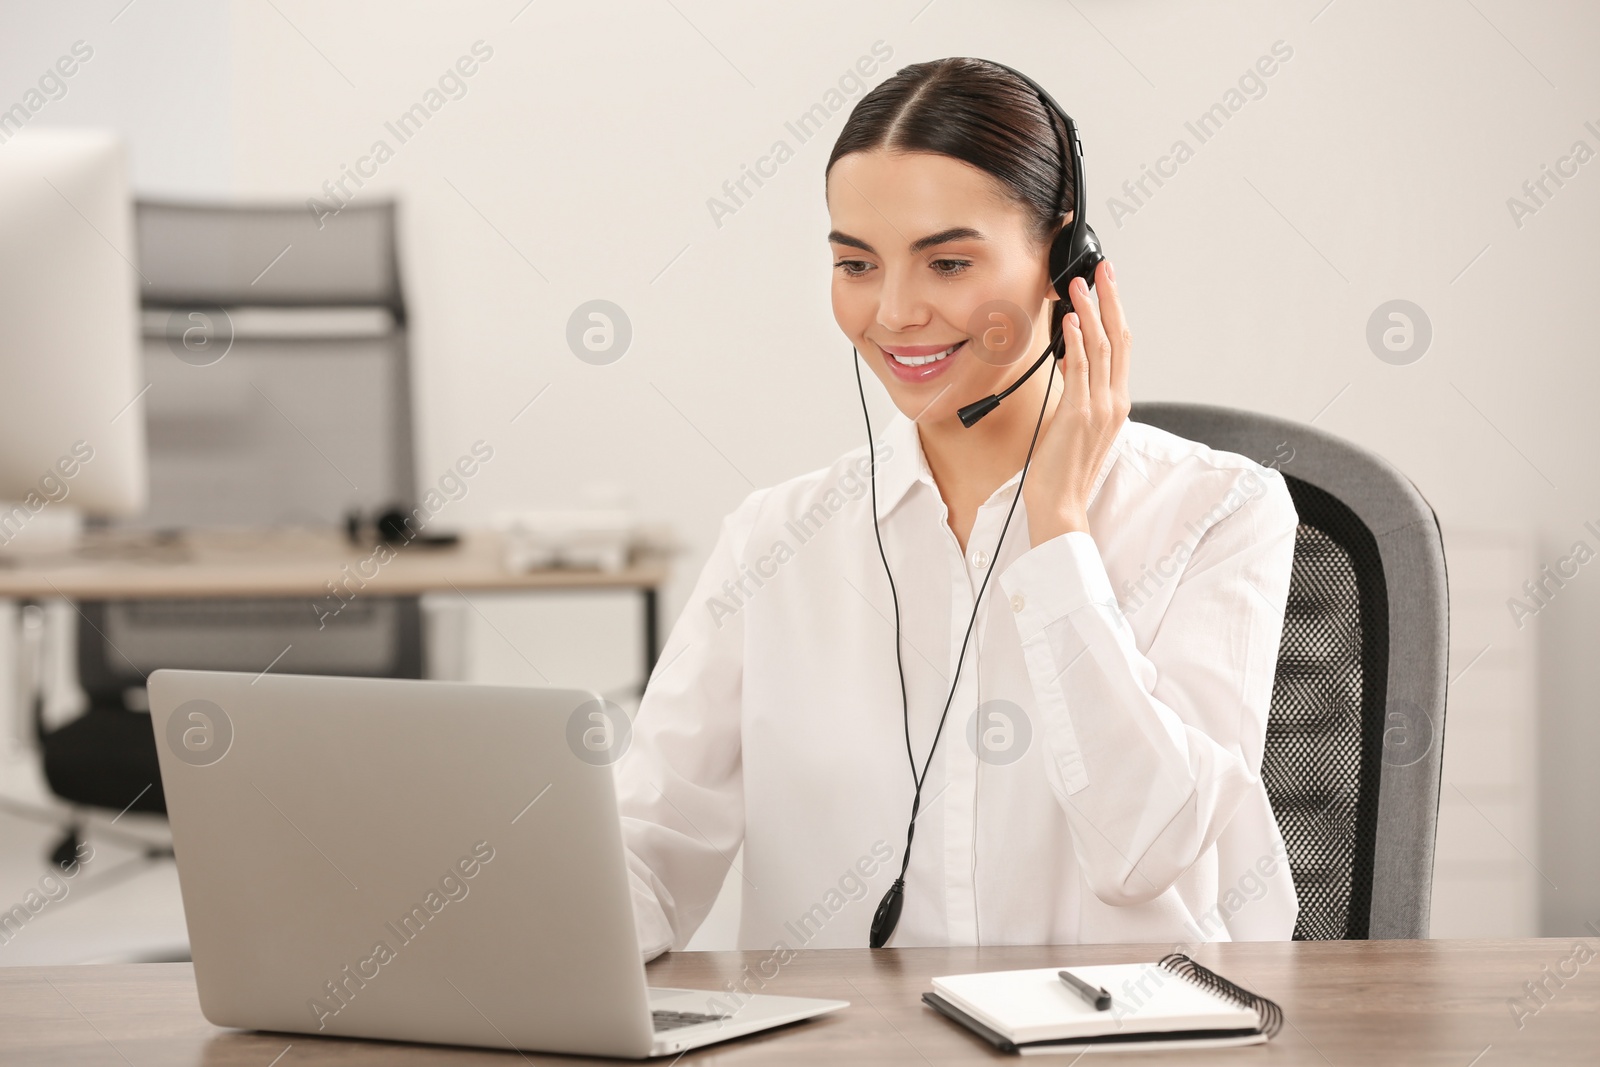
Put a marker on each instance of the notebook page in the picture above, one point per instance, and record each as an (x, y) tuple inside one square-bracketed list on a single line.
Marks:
[(1034, 1005), (1052, 1049)]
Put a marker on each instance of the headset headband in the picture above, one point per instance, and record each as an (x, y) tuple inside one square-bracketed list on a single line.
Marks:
[(1071, 153)]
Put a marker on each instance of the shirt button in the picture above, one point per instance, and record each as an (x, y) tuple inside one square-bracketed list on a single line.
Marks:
[(1017, 602), (980, 559)]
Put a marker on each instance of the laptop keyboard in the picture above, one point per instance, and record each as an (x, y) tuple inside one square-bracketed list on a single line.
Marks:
[(677, 1020)]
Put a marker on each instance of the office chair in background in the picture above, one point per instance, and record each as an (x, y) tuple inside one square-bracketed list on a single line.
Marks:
[(1355, 735), (280, 395)]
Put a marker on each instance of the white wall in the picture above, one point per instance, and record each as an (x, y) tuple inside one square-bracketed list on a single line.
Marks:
[(1376, 166), (162, 76)]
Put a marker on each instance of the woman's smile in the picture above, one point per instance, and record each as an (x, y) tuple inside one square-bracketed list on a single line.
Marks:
[(919, 363)]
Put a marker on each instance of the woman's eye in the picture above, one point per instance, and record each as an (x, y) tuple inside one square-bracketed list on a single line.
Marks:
[(949, 268), (853, 268)]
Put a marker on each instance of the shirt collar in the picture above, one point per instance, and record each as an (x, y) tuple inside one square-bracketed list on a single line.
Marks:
[(904, 463)]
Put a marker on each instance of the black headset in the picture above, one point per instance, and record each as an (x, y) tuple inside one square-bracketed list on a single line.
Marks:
[(1074, 253)]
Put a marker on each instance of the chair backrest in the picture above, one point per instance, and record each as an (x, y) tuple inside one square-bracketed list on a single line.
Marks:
[(1355, 736), (277, 360), (275, 346), (120, 642)]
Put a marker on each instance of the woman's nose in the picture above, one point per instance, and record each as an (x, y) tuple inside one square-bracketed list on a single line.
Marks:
[(901, 304)]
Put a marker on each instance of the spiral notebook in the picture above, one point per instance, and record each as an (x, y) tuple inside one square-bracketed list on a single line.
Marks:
[(1172, 1004)]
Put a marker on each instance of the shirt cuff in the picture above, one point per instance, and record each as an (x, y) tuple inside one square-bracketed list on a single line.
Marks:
[(1051, 581)]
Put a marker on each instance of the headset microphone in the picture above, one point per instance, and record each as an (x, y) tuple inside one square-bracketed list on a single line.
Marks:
[(1074, 253), (976, 410)]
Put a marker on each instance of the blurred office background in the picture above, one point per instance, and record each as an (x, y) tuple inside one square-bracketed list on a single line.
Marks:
[(1376, 163)]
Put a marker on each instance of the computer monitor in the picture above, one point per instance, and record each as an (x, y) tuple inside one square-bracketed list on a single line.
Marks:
[(72, 432)]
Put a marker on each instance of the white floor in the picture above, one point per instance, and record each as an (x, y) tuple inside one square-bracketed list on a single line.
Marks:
[(119, 907)]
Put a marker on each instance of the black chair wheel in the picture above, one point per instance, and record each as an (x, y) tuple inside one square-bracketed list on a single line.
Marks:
[(65, 854)]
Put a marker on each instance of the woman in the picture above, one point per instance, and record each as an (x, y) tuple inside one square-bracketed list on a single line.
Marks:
[(1096, 777)]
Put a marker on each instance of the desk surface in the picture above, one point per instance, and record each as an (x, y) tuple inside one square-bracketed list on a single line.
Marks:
[(291, 562), (1408, 1002)]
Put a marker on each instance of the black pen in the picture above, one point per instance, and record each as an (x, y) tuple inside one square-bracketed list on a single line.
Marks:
[(1091, 994)]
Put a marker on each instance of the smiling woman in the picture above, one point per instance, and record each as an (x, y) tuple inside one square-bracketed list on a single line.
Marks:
[(1121, 797)]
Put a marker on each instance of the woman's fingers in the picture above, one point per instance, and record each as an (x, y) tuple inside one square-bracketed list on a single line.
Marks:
[(1116, 327), (1095, 342), (1074, 364), (1092, 410)]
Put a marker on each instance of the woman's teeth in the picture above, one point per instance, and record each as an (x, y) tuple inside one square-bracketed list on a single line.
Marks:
[(917, 361)]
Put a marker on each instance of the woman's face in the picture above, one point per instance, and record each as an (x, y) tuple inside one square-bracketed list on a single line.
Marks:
[(931, 255)]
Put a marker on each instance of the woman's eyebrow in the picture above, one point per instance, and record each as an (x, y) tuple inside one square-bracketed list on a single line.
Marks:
[(954, 233)]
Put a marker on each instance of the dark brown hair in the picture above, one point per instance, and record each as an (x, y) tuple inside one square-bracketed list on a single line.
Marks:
[(979, 113)]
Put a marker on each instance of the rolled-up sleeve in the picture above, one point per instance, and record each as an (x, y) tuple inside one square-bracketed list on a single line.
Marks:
[(1150, 751), (679, 785)]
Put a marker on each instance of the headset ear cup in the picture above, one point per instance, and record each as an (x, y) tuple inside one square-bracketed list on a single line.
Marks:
[(1068, 262), (1089, 256)]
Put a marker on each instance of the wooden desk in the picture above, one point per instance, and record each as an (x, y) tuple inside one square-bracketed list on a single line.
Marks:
[(1377, 1002), (299, 563), (287, 562)]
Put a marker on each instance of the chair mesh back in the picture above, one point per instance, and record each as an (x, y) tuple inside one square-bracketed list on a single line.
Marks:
[(1325, 731), (121, 642)]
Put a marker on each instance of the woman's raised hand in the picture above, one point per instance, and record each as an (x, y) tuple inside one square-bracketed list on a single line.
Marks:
[(1094, 405)]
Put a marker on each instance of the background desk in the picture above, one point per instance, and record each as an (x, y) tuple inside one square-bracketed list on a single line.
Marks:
[(299, 562), (296, 563), (1346, 1002)]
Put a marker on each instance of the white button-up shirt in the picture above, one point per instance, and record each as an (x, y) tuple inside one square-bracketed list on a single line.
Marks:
[(1098, 777)]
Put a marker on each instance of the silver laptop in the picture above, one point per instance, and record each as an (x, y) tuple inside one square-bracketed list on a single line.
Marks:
[(415, 861)]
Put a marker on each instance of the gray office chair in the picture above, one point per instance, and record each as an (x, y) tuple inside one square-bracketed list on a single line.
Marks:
[(1355, 734), (275, 348)]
